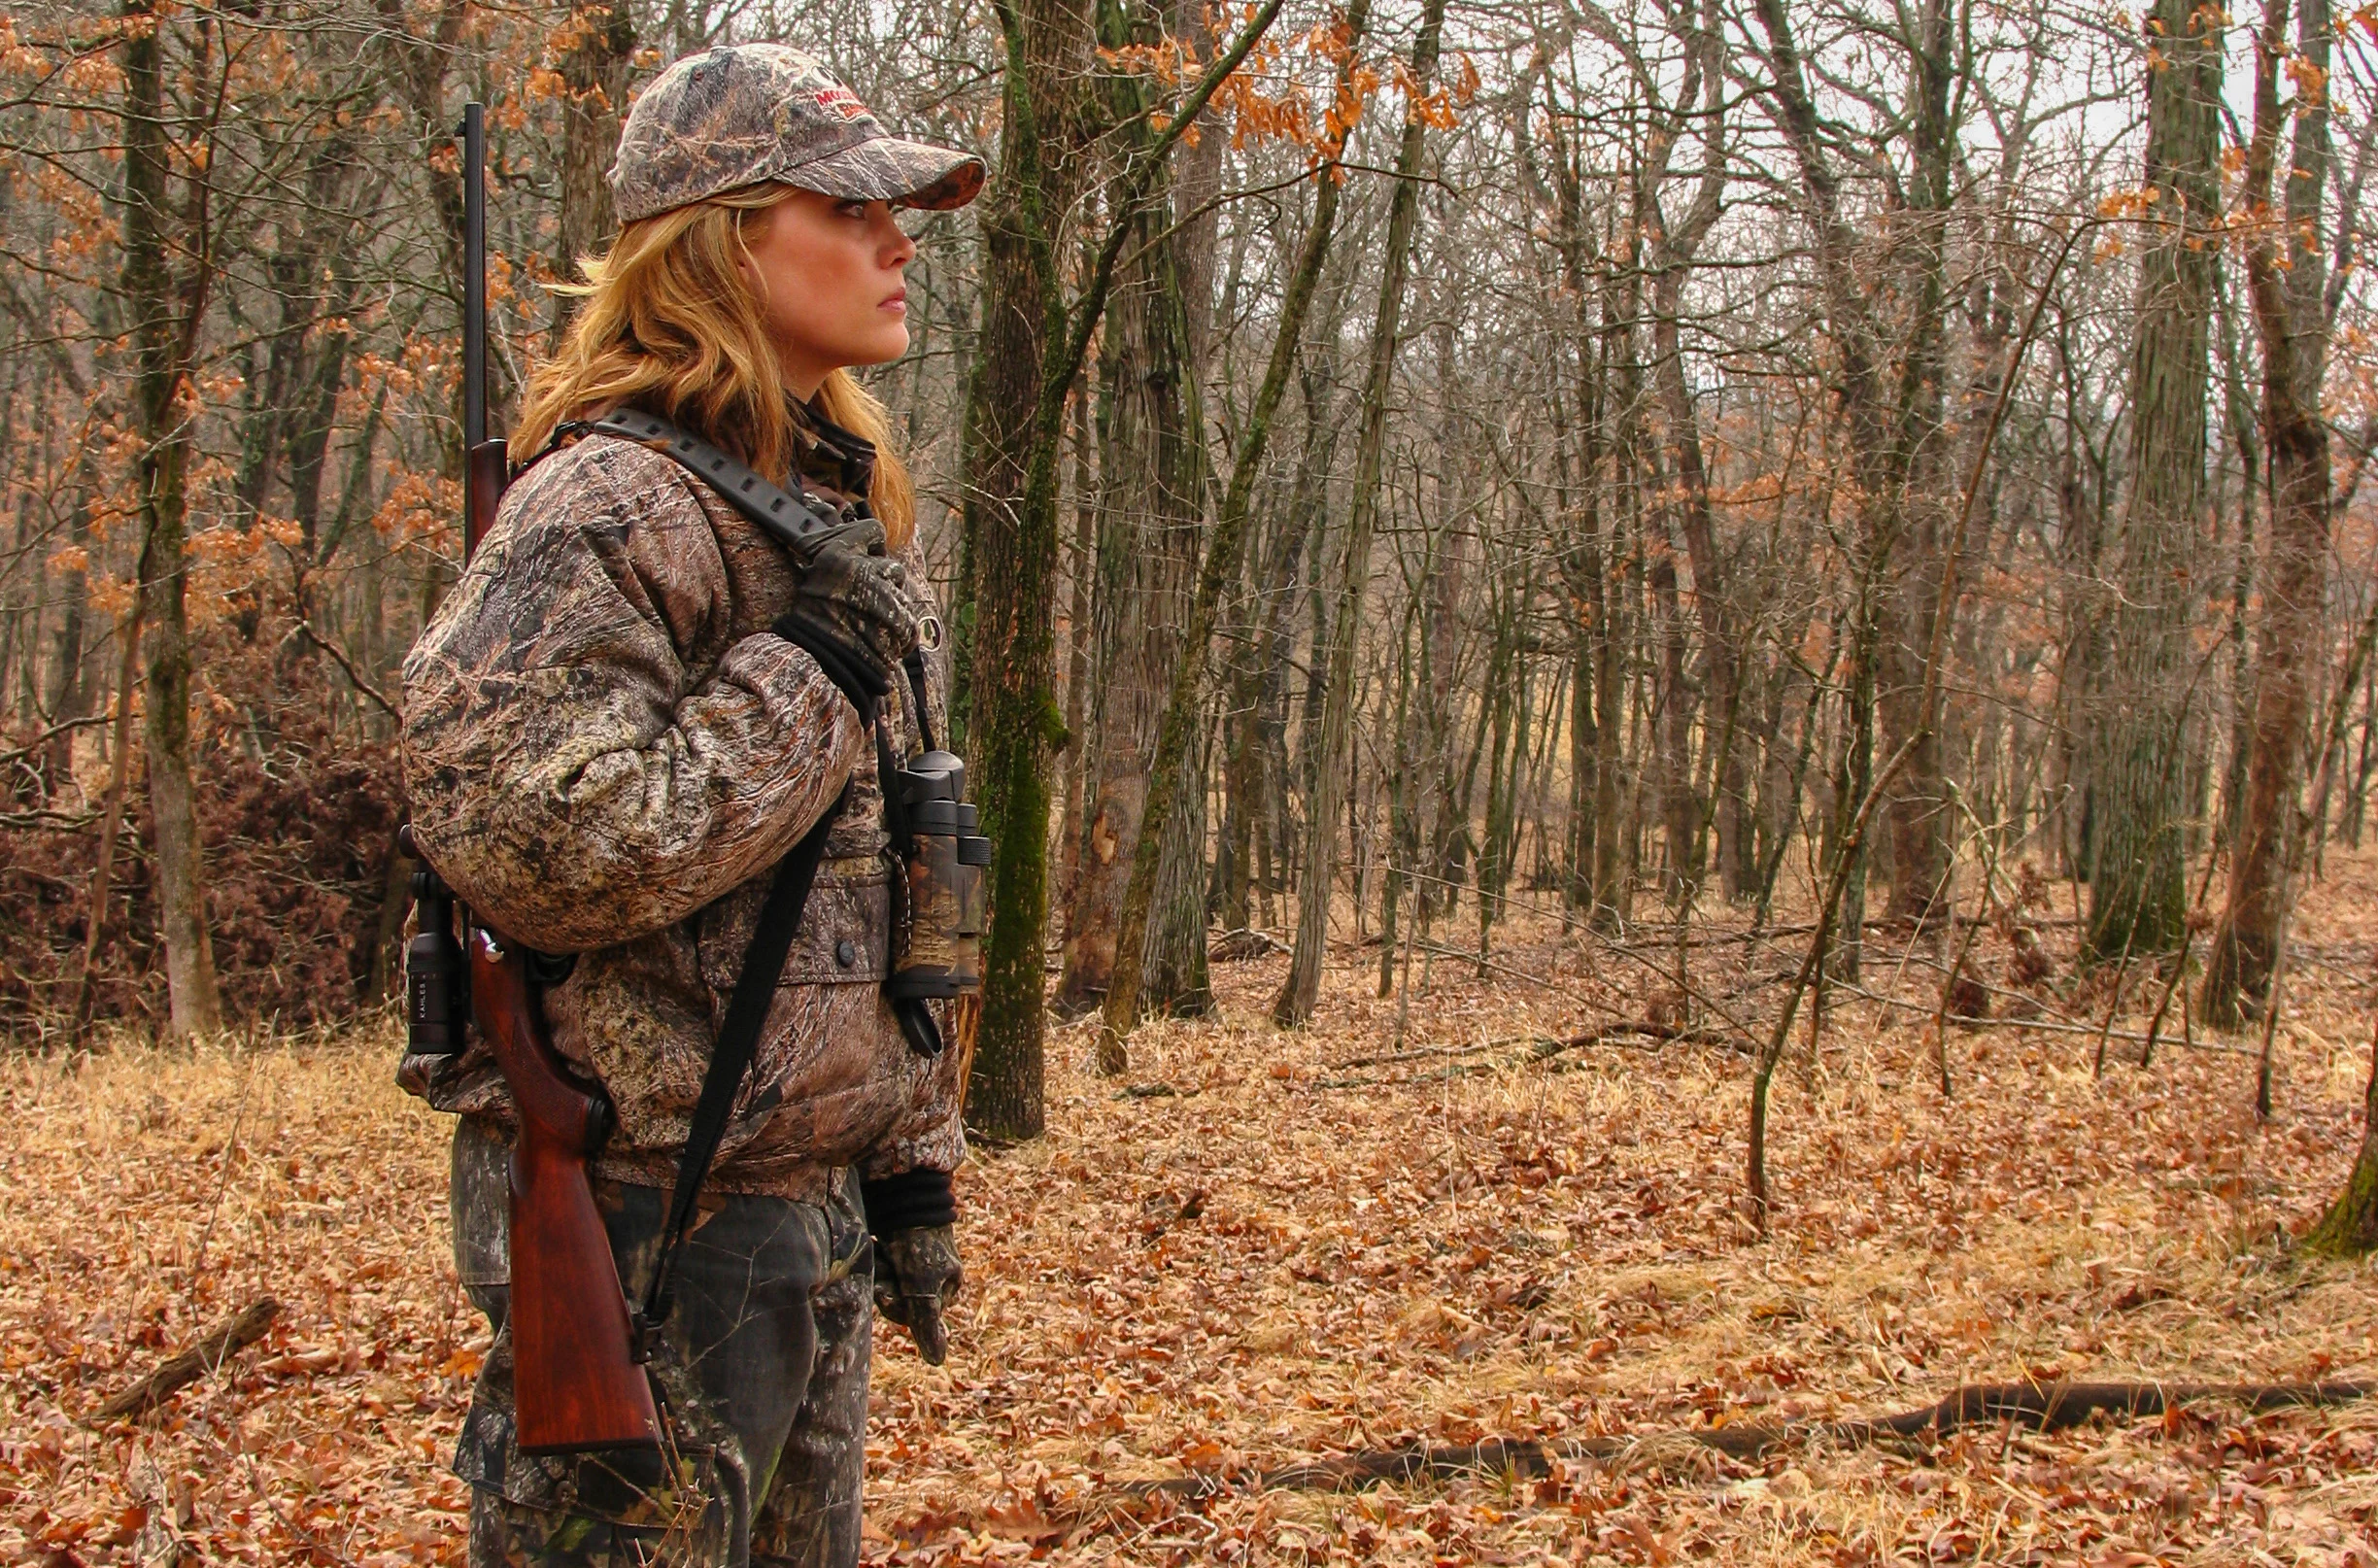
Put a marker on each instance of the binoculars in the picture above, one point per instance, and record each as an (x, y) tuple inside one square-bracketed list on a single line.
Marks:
[(937, 943), (437, 980)]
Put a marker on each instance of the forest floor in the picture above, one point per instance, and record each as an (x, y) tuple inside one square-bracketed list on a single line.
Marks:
[(1249, 1252)]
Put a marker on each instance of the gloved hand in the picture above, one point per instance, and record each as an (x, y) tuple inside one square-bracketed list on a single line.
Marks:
[(913, 1217), (849, 614), (916, 1276)]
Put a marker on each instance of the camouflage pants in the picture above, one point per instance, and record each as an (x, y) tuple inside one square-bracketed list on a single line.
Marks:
[(761, 1372)]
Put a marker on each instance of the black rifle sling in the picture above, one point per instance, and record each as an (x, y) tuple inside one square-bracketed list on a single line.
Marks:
[(802, 523)]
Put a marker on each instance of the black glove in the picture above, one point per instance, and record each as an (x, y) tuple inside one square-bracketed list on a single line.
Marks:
[(850, 616), (912, 1216), (916, 1276)]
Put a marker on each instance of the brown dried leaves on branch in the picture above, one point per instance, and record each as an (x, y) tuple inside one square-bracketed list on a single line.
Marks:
[(1256, 1270), (298, 812)]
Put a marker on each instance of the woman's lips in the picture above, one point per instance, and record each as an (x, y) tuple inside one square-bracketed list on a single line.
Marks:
[(898, 304)]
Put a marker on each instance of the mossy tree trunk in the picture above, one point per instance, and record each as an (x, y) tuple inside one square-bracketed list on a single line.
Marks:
[(1034, 340), (1010, 545), (2350, 1228), (165, 303)]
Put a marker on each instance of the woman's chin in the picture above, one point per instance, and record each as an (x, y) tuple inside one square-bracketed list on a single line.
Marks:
[(883, 346)]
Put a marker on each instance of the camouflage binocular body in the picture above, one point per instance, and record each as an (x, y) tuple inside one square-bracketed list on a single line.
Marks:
[(936, 937)]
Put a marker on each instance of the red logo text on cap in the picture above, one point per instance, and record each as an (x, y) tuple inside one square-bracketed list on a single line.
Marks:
[(840, 101)]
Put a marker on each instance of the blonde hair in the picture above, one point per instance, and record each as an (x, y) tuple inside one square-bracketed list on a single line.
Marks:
[(666, 323)]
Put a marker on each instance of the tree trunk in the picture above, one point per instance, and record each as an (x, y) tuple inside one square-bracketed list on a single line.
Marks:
[(1892, 429), (111, 823), (1078, 750), (1011, 551), (2138, 894), (1847, 949), (1592, 563), (1254, 689), (1679, 801), (1580, 557), (2292, 316), (1509, 706), (1403, 829), (594, 49), (1710, 603), (2350, 1227), (1673, 248), (69, 695), (1910, 530), (1301, 990), (1448, 814), (163, 307), (1152, 519), (1577, 849), (1178, 763), (1010, 547), (1290, 775)]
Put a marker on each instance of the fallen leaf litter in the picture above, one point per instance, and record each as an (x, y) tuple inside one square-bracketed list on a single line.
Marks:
[(1220, 1266)]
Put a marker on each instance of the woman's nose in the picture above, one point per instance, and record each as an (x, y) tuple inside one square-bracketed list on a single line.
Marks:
[(898, 248)]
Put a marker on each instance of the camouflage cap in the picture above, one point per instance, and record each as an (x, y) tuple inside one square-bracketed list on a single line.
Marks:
[(746, 113)]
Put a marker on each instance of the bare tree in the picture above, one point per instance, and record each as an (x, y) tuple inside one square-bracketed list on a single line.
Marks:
[(2286, 275)]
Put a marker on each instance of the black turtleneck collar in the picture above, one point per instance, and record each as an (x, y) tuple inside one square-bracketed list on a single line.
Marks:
[(830, 456)]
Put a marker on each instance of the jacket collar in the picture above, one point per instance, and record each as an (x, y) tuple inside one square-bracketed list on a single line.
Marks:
[(830, 456)]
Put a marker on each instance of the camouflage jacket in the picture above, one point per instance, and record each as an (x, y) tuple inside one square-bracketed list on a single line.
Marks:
[(607, 754)]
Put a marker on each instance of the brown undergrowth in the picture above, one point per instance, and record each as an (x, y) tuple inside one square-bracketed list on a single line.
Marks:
[(1248, 1252)]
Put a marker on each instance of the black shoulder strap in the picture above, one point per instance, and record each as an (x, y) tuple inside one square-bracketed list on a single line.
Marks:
[(730, 1058), (801, 522)]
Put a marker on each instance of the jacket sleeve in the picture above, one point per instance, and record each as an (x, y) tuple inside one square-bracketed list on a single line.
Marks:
[(574, 772), (930, 1136)]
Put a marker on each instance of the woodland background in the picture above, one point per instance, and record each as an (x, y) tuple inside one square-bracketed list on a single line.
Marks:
[(1425, 464), (1664, 544)]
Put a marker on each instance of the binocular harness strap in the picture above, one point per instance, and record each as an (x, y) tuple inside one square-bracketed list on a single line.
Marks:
[(798, 520)]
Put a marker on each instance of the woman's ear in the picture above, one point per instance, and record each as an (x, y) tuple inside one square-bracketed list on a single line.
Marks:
[(751, 228)]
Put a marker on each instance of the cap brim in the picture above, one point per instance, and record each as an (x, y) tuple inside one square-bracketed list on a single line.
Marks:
[(886, 168)]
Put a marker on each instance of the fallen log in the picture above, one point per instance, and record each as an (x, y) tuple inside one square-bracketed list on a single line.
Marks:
[(1240, 946), (216, 1346), (2037, 1406)]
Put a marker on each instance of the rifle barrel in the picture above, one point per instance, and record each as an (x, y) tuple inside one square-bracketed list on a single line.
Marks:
[(474, 276)]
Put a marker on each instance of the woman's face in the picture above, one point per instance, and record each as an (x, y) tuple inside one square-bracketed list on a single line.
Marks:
[(828, 276)]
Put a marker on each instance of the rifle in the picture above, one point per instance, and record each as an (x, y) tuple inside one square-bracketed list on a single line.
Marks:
[(576, 1375)]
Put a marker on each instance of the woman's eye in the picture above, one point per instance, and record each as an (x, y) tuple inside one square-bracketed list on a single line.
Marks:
[(851, 209)]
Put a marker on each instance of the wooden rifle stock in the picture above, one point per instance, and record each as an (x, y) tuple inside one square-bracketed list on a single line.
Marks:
[(576, 1382)]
